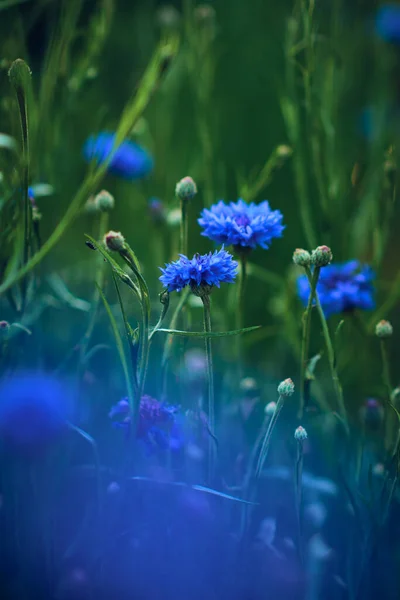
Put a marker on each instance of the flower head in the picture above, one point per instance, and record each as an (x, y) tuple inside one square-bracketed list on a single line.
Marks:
[(301, 257), (186, 189), (286, 388), (388, 22), (321, 256), (130, 161), (300, 434), (157, 426), (341, 287), (156, 210), (103, 201), (33, 409), (114, 241), (384, 329), (205, 271), (372, 413), (241, 224)]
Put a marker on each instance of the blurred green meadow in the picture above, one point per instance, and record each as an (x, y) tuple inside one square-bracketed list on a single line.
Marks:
[(245, 81), (295, 102)]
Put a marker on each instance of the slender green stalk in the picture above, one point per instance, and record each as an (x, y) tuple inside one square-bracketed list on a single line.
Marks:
[(210, 377), (298, 496), (305, 343), (184, 227), (267, 439), (96, 460), (20, 78), (331, 358), (386, 372), (170, 338), (99, 278), (240, 308)]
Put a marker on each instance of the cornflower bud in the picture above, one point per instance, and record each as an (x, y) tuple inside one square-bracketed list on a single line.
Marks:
[(321, 256), (384, 329), (286, 388), (104, 201), (300, 434), (301, 257), (186, 189), (270, 409), (114, 241)]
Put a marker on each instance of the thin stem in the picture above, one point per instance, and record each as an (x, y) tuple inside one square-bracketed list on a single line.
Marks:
[(389, 388), (240, 308), (306, 340), (298, 495), (331, 358), (210, 377), (99, 278), (170, 338), (96, 459), (184, 227), (265, 446)]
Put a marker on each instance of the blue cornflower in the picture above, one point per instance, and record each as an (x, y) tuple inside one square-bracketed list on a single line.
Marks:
[(341, 287), (158, 424), (130, 161), (241, 224), (33, 409), (388, 22), (202, 271)]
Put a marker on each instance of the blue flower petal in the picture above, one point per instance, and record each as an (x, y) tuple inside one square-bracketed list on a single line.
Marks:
[(130, 161)]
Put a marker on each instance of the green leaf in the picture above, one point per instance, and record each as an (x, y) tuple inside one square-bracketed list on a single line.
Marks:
[(203, 334), (197, 488), (312, 363), (120, 348)]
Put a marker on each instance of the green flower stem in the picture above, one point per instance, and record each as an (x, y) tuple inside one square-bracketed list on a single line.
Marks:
[(331, 358), (210, 377), (306, 339), (267, 439), (20, 78), (183, 242), (96, 460), (388, 385), (240, 307), (170, 338), (298, 496), (99, 278), (129, 256)]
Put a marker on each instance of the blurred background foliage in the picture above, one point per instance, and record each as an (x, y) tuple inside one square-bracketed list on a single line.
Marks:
[(247, 79)]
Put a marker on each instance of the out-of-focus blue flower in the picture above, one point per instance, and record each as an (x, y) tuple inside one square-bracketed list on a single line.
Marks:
[(388, 22), (158, 424), (341, 287), (33, 409), (157, 210), (202, 270), (241, 224), (130, 161)]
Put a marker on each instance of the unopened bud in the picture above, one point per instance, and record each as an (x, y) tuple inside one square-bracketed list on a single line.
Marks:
[(270, 409), (284, 151), (286, 388), (104, 201), (383, 329), (321, 256), (301, 257), (4, 326), (300, 434), (186, 189), (114, 241), (372, 413)]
